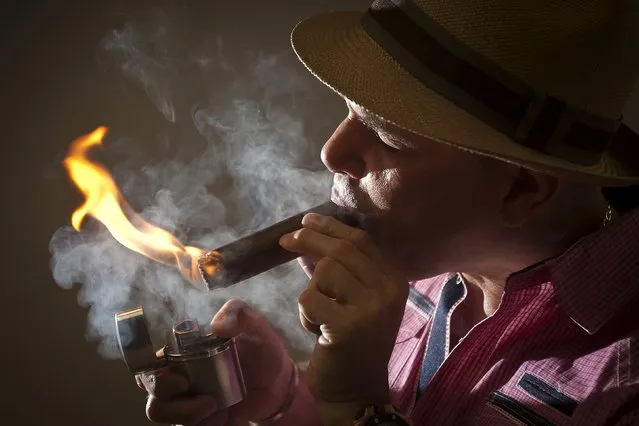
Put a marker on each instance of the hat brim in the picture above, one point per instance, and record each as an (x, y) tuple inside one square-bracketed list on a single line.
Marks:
[(337, 50)]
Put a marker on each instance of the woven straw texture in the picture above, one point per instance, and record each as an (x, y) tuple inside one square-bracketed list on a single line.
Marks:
[(583, 52)]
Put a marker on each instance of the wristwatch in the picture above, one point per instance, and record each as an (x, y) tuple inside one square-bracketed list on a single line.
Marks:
[(381, 415)]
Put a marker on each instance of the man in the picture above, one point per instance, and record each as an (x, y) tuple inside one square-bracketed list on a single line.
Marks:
[(521, 307)]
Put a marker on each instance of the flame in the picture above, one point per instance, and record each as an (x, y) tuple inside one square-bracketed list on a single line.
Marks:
[(104, 202)]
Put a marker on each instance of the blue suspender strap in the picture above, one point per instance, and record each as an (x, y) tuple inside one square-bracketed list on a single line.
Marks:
[(435, 354)]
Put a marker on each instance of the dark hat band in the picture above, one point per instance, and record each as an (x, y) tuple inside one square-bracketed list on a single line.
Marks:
[(536, 120)]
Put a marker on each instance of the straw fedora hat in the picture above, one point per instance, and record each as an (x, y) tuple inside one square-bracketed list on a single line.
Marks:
[(539, 83)]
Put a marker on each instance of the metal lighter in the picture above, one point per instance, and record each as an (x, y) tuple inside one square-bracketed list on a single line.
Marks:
[(209, 362)]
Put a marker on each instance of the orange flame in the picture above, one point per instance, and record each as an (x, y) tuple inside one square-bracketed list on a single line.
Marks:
[(104, 202)]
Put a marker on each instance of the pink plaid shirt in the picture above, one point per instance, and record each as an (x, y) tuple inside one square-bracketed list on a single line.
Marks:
[(561, 349)]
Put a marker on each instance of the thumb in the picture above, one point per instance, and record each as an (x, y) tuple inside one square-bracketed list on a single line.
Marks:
[(237, 317)]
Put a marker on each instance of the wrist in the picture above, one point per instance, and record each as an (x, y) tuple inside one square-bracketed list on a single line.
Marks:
[(344, 413), (289, 397), (381, 415), (304, 409)]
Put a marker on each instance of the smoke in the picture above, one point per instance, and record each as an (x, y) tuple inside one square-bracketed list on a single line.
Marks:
[(255, 168)]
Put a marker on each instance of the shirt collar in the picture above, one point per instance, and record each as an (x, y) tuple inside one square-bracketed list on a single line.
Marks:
[(598, 275)]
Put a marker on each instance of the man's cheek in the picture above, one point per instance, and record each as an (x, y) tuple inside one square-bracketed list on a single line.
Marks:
[(385, 191)]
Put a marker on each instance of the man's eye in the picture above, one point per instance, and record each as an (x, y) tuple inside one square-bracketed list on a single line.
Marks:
[(389, 142), (368, 126)]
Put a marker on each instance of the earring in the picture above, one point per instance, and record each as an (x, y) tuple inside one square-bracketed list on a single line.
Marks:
[(608, 216)]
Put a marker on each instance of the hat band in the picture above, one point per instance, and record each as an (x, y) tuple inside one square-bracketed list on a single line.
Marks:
[(480, 87)]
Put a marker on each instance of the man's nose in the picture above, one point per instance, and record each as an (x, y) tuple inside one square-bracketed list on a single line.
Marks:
[(347, 149)]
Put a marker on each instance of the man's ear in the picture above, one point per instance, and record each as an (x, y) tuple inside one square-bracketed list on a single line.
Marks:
[(530, 193)]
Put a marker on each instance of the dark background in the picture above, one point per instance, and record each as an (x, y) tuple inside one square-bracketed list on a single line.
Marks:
[(55, 86)]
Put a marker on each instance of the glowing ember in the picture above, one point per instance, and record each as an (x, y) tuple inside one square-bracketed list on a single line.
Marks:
[(209, 263), (104, 202)]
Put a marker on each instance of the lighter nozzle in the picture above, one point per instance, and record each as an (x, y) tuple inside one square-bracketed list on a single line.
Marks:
[(186, 333)]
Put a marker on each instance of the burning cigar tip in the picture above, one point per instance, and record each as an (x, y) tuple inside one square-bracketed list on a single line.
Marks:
[(208, 264), (211, 256)]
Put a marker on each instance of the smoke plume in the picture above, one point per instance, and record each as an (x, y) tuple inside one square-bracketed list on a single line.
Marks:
[(253, 166)]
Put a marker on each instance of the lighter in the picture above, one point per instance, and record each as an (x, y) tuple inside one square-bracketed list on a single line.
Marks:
[(209, 362)]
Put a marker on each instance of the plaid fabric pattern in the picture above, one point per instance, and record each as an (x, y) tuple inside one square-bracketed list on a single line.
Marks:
[(562, 349)]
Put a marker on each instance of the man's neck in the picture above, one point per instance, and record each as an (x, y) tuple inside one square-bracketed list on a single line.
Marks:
[(483, 296), (484, 291)]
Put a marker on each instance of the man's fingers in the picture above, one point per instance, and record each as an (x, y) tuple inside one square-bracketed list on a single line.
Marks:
[(163, 384), (181, 410), (138, 381), (308, 325), (310, 242), (359, 238), (335, 281), (317, 308), (237, 317), (219, 419)]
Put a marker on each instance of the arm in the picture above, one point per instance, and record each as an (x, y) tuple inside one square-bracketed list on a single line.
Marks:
[(304, 410)]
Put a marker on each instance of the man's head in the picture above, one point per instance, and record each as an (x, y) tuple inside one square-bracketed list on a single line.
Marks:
[(533, 88), (435, 208)]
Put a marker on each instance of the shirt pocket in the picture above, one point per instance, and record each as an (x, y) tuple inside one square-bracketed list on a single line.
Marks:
[(527, 399), (492, 415), (502, 410)]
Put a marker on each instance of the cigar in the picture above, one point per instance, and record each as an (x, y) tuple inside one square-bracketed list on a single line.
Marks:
[(259, 252)]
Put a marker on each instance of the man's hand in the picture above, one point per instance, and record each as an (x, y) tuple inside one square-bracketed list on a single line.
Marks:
[(354, 302), (265, 364)]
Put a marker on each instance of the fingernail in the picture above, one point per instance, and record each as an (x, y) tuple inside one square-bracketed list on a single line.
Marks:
[(228, 317), (250, 312), (226, 320), (285, 239), (314, 219)]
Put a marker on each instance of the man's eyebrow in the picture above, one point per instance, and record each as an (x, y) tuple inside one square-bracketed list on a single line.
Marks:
[(379, 125), (374, 123), (371, 120)]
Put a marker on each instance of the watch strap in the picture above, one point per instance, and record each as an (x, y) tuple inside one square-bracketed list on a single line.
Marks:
[(381, 415)]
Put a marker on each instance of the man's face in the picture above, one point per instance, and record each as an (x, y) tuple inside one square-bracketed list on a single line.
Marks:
[(430, 207)]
